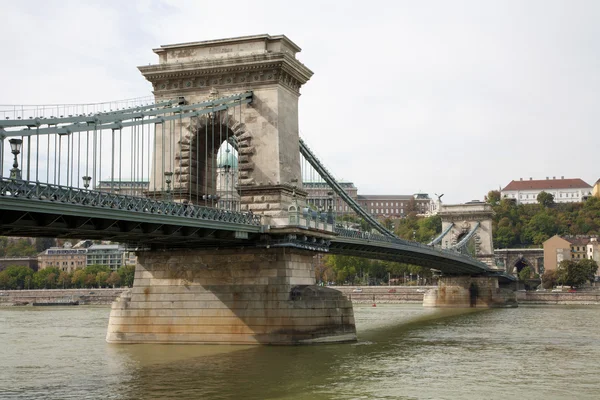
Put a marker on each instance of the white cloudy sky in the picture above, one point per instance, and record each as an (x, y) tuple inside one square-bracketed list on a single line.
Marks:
[(455, 97)]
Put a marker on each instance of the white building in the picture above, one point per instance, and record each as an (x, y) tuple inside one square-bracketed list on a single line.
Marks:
[(110, 255), (563, 190)]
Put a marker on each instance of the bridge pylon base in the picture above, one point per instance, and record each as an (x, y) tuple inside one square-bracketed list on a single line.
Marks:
[(229, 296), (467, 291)]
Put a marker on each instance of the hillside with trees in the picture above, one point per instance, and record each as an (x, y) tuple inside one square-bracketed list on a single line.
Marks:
[(529, 225), (357, 270)]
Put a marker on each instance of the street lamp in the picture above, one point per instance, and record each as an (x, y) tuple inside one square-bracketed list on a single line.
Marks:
[(15, 148), (330, 208), (86, 181), (168, 181)]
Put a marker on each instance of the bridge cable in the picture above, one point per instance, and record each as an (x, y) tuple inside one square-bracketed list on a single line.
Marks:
[(316, 164), (441, 236)]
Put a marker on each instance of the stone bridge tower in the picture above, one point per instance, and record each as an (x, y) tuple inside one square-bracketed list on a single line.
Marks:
[(260, 292), (459, 219), (266, 131)]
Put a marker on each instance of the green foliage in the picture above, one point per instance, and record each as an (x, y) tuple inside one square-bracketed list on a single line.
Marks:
[(16, 277), (46, 278), (418, 228), (590, 267), (20, 248), (94, 269), (531, 224), (113, 279), (545, 199), (3, 245), (101, 278), (525, 274), (42, 244), (493, 197), (78, 278), (127, 273), (549, 279), (576, 272), (64, 280), (356, 270)]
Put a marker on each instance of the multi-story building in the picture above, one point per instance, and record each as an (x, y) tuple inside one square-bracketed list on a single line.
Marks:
[(396, 206), (31, 262), (563, 190), (321, 196), (110, 255), (559, 248), (596, 189), (124, 187), (66, 258)]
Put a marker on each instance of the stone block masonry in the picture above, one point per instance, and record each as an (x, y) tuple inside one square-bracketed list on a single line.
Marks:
[(229, 296), (466, 291)]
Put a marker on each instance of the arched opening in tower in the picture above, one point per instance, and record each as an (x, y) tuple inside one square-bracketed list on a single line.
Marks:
[(520, 265), (202, 168)]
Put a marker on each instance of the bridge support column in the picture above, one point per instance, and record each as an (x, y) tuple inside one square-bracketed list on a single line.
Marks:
[(467, 291), (237, 296)]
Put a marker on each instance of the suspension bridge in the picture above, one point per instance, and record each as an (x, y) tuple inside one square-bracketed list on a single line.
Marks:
[(219, 218)]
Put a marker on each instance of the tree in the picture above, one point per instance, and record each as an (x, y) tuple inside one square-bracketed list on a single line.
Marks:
[(46, 278), (549, 279), (127, 273), (101, 278), (42, 244), (4, 280), (64, 279), (574, 273), (493, 197), (545, 199), (590, 267), (539, 228), (90, 280), (114, 279), (20, 248), (78, 278), (95, 268), (525, 274), (18, 277)]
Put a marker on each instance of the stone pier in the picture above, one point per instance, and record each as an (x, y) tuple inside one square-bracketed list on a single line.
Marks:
[(467, 291), (229, 296)]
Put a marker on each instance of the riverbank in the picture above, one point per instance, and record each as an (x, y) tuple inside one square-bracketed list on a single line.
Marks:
[(414, 294), (357, 294), (384, 294), (59, 296)]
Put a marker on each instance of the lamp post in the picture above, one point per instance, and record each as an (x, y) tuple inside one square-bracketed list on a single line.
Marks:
[(86, 181), (15, 148), (168, 181), (330, 209)]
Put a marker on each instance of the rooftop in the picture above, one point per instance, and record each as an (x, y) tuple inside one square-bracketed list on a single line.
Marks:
[(543, 184)]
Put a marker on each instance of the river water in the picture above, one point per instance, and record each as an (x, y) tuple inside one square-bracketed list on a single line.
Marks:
[(404, 352)]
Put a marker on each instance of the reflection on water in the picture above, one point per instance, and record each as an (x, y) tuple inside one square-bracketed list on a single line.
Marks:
[(404, 352)]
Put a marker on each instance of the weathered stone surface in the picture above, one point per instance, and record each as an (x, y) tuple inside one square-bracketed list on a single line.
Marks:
[(229, 296), (466, 291), (266, 130)]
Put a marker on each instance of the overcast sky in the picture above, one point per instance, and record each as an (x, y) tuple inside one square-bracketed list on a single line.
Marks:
[(453, 97)]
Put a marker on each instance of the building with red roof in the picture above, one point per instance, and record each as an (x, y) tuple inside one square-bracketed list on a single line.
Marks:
[(563, 190)]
